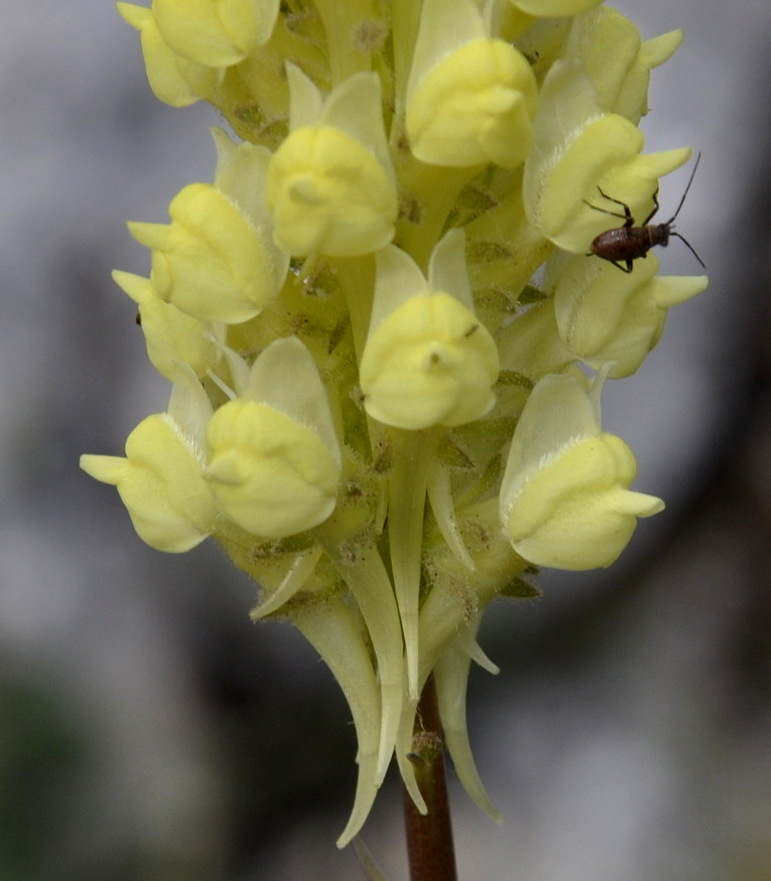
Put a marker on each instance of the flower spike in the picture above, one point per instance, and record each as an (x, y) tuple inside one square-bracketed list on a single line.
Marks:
[(375, 317)]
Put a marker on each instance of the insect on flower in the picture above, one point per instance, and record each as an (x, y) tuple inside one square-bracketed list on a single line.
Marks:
[(625, 244)]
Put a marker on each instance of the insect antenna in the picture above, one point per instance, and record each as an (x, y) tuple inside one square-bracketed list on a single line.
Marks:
[(688, 187), (690, 246)]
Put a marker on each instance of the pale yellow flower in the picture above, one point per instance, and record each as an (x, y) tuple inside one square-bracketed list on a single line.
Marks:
[(564, 498)]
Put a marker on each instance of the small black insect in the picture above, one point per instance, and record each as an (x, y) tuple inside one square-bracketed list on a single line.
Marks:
[(627, 243)]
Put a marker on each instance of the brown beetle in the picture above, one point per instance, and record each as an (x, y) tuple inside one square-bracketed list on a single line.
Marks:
[(629, 242)]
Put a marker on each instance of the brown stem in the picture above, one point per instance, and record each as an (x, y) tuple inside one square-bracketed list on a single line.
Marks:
[(429, 838)]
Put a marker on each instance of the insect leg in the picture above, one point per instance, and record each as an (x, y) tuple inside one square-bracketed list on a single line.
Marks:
[(627, 213), (605, 210), (629, 265), (655, 208)]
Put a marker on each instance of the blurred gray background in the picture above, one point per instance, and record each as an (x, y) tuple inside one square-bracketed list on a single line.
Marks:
[(149, 731)]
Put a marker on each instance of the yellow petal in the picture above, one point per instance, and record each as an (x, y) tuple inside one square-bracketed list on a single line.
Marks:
[(171, 335), (272, 476), (564, 499), (429, 362), (211, 261), (576, 512), (175, 80), (554, 8), (217, 33), (329, 194), (474, 106), (161, 485)]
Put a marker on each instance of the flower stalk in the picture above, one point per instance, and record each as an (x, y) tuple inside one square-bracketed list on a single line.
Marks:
[(430, 847)]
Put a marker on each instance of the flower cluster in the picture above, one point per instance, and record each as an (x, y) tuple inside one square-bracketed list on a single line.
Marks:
[(374, 317)]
